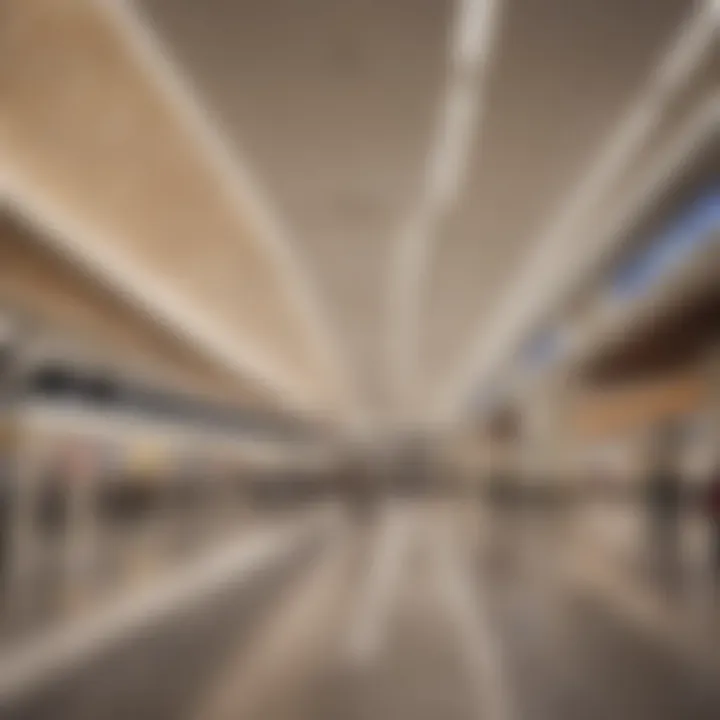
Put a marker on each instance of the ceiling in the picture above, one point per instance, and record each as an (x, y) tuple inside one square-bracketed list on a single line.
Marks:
[(248, 169)]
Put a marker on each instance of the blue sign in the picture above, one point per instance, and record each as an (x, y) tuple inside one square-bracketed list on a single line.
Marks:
[(694, 229)]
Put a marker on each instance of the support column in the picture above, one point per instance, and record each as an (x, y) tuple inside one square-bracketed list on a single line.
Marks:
[(24, 495), (712, 373), (80, 544)]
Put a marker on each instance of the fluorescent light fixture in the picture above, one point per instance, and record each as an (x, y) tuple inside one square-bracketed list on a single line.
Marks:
[(458, 115)]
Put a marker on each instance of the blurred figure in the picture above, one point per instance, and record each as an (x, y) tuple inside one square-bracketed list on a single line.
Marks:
[(665, 500), (712, 506), (358, 485), (5, 513)]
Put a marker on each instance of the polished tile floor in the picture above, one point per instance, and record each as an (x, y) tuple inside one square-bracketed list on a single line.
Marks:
[(425, 610)]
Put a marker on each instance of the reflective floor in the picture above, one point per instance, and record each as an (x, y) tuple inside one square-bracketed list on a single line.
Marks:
[(428, 610)]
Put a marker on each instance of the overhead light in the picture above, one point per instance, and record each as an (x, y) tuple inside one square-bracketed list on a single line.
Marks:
[(445, 172)]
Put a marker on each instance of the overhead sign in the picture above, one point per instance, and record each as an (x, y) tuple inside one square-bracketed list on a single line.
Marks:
[(696, 228)]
